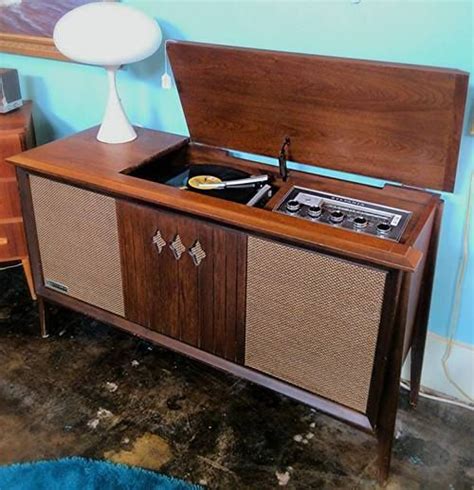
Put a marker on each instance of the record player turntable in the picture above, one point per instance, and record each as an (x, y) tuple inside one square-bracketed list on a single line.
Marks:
[(214, 180)]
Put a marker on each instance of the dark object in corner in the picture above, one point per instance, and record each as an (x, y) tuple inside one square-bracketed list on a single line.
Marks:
[(10, 93)]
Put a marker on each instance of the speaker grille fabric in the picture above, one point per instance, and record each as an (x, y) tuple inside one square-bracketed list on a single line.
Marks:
[(79, 244), (313, 320)]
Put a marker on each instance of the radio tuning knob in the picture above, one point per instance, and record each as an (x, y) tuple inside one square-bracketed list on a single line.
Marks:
[(293, 206), (383, 228), (337, 216), (360, 222), (314, 211)]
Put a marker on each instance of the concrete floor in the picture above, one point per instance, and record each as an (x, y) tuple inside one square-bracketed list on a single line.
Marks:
[(92, 391)]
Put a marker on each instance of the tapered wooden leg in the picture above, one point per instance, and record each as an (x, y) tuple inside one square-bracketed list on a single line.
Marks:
[(421, 320), (385, 438), (29, 277), (417, 354), (43, 317)]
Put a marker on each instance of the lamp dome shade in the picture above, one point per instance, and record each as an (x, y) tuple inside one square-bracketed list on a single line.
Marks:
[(106, 34)]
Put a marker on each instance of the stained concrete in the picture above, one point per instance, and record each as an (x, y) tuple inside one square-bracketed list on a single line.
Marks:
[(92, 391)]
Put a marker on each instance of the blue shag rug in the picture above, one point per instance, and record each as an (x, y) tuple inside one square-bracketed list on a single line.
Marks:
[(85, 474)]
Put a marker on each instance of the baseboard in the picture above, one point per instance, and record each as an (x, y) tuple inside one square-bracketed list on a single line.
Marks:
[(460, 365)]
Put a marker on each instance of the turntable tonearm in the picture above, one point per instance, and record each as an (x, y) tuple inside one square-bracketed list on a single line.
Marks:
[(319, 287)]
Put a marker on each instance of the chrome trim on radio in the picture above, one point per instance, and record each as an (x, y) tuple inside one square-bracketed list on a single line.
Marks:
[(344, 212)]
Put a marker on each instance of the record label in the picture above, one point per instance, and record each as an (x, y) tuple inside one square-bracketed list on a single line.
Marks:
[(201, 181)]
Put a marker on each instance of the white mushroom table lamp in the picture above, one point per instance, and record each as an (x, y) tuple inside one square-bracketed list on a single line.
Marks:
[(110, 35)]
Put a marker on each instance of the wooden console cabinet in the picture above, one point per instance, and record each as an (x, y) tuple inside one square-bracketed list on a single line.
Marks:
[(322, 314), (16, 135)]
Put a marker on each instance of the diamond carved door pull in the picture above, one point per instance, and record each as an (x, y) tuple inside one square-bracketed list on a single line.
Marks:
[(158, 241), (197, 253), (177, 247)]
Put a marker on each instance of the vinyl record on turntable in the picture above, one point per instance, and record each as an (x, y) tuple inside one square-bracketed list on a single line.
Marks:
[(202, 174)]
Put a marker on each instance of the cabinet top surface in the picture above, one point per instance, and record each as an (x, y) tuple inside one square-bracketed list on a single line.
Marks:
[(392, 121), (82, 160)]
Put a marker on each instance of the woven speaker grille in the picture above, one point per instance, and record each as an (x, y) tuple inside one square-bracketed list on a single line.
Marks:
[(79, 244), (313, 320)]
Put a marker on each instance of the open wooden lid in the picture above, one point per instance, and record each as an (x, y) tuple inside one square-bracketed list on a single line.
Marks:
[(396, 122)]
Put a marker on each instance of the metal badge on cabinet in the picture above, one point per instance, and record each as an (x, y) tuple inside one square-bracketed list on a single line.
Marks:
[(177, 247), (158, 241), (197, 253)]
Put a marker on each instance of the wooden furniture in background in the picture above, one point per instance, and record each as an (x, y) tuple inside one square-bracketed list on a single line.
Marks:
[(317, 312), (16, 135)]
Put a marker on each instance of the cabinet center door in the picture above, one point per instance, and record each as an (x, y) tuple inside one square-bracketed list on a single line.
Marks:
[(184, 278)]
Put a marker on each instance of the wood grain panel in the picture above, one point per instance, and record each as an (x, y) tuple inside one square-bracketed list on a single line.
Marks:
[(12, 240), (219, 288), (188, 281), (230, 287), (417, 286), (9, 199), (423, 302), (208, 300), (195, 304), (17, 121), (149, 278), (10, 144), (391, 121)]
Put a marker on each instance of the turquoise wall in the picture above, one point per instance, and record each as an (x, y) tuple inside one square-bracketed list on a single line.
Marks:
[(70, 97)]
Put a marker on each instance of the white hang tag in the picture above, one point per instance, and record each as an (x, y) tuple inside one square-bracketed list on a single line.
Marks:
[(166, 81)]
